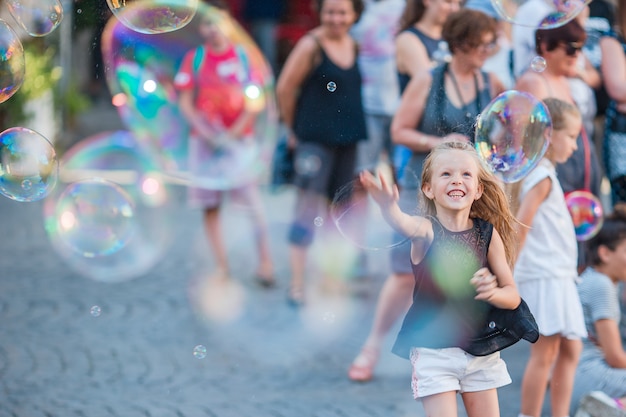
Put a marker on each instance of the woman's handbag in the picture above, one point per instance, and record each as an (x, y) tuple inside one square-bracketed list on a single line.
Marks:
[(504, 328)]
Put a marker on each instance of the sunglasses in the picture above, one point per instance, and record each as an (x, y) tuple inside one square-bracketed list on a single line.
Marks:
[(571, 48)]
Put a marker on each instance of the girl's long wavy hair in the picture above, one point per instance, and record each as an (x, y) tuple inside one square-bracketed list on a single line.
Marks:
[(492, 206)]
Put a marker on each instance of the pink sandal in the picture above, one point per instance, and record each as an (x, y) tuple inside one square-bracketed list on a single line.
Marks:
[(362, 368)]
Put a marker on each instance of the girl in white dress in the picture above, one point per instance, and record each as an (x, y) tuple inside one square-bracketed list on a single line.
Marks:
[(546, 271)]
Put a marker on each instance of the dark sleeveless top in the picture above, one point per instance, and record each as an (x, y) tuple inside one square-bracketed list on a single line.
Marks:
[(441, 118), (431, 46), (614, 144), (331, 114), (444, 312)]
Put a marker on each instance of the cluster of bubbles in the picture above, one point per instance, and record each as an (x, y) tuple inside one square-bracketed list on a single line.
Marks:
[(113, 219), (110, 202)]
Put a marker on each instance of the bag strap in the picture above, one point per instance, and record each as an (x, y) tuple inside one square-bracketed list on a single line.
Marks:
[(198, 56), (587, 150)]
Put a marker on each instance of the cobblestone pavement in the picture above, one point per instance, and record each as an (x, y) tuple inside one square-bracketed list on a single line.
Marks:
[(74, 347)]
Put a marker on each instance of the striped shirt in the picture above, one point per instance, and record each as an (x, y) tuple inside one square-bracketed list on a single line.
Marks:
[(600, 300)]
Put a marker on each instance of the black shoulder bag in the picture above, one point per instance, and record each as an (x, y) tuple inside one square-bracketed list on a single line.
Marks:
[(504, 328)]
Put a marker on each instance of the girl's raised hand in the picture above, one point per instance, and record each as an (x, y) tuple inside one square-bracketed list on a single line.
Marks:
[(384, 194)]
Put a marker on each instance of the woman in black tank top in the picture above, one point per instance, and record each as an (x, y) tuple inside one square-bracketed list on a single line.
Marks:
[(419, 41), (319, 98)]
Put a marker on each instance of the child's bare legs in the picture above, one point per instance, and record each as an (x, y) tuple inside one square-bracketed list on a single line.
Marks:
[(481, 403), (216, 240), (543, 354), (562, 381), (297, 259), (442, 405), (308, 205), (265, 268), (393, 301)]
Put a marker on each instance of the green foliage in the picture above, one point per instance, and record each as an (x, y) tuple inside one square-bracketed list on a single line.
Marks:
[(41, 75), (73, 101)]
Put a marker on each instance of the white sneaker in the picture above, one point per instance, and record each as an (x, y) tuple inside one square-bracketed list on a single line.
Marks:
[(598, 404)]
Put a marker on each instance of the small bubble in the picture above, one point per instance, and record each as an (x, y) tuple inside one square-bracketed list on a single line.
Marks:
[(95, 311), (27, 185), (199, 352), (331, 86), (318, 221), (538, 64), (329, 317)]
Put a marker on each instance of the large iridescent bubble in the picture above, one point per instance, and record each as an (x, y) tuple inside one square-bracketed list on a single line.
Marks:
[(512, 134), (532, 14), (141, 72), (137, 222), (352, 208), (587, 213), (12, 62), (28, 165), (94, 217), (154, 16), (36, 17)]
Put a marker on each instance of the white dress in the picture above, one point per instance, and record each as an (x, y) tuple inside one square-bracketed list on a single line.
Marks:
[(546, 269)]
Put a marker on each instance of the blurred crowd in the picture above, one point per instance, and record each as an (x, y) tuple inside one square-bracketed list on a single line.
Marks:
[(377, 85)]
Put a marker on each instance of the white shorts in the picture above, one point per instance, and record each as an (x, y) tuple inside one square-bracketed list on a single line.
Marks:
[(452, 369)]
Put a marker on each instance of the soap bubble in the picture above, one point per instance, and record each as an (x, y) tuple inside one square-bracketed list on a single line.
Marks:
[(512, 134), (118, 158), (28, 165), (154, 16), (36, 17), (94, 217), (350, 211), (527, 13), (199, 352), (146, 83), (12, 62), (587, 214), (538, 64)]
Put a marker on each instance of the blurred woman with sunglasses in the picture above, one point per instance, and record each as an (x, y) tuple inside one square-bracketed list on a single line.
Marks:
[(560, 48), (614, 73)]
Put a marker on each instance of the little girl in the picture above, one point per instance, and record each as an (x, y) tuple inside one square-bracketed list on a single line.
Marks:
[(546, 271), (602, 364), (461, 252)]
